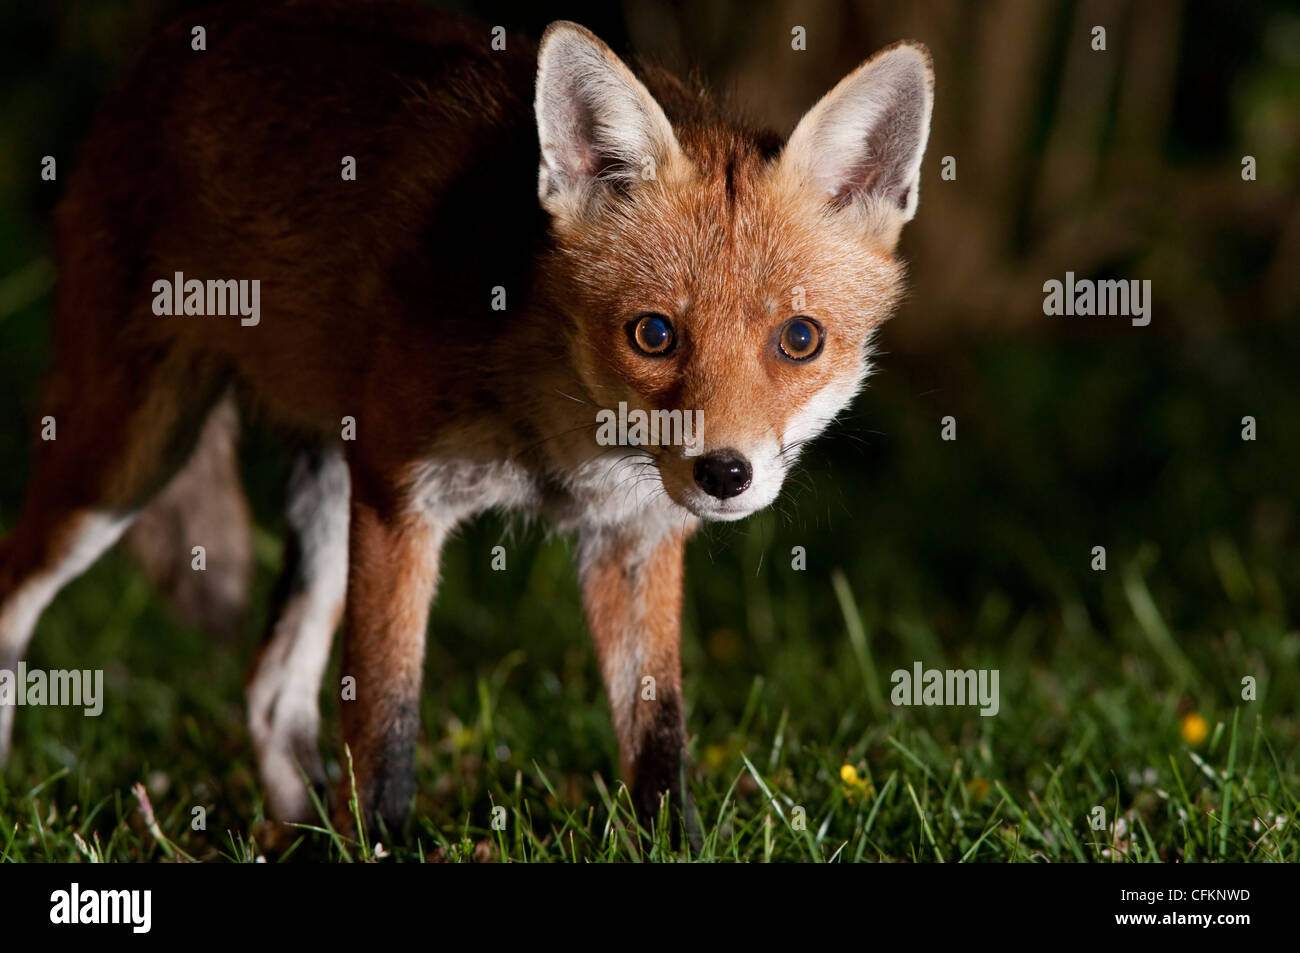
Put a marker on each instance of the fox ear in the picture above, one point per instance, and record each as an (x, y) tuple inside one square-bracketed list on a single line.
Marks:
[(596, 122), (860, 147)]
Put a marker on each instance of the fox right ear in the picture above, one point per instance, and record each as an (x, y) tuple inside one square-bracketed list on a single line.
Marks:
[(597, 124)]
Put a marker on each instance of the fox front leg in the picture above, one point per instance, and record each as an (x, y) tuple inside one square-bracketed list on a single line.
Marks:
[(632, 593), (392, 571)]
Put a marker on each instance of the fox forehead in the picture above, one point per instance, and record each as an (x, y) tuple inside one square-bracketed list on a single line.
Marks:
[(730, 239)]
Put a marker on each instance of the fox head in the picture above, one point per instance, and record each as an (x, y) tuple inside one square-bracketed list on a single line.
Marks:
[(704, 267)]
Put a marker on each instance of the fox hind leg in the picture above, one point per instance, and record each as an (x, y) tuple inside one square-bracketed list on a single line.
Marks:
[(38, 559), (284, 683), (204, 503), (112, 451)]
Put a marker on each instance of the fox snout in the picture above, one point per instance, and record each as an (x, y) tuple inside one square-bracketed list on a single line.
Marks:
[(723, 474), (724, 483)]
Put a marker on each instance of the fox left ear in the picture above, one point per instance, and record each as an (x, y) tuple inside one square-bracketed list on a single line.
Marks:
[(861, 146)]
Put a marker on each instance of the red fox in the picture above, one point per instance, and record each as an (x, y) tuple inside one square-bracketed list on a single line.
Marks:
[(437, 264)]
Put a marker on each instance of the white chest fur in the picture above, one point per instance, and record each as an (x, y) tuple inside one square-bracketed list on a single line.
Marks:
[(618, 486)]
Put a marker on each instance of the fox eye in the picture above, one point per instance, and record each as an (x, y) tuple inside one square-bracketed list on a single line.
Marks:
[(652, 334), (801, 339)]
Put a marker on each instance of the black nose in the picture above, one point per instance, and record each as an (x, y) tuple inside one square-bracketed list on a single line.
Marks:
[(723, 473)]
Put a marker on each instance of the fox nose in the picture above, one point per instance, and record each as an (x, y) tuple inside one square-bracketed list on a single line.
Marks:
[(723, 473)]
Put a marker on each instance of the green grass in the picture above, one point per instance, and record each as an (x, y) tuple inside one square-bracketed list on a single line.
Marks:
[(973, 553), (787, 683), (967, 554)]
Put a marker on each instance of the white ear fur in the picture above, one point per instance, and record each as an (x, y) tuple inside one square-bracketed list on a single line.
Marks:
[(596, 122), (861, 145)]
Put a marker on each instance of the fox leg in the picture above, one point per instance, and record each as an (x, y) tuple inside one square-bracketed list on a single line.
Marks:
[(113, 449), (203, 502), (48, 549), (393, 556), (284, 682), (632, 594)]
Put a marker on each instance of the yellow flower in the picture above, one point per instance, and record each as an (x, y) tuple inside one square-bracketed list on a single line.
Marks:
[(855, 786), (1195, 729)]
